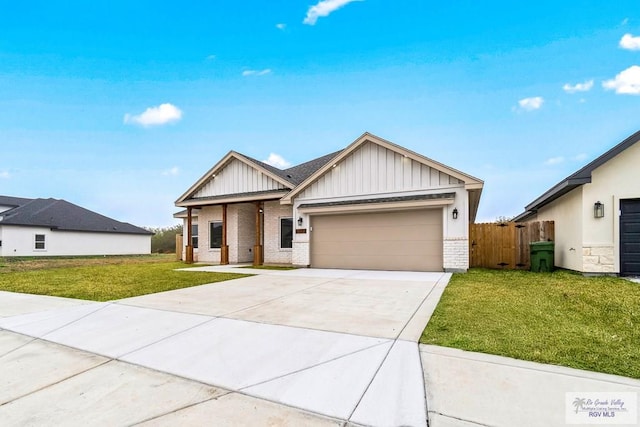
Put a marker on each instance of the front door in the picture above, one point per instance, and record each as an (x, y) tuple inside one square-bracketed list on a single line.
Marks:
[(630, 237)]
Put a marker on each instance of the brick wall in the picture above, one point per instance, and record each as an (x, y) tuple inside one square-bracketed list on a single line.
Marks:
[(207, 214), (245, 235), (456, 254), (300, 254), (273, 254)]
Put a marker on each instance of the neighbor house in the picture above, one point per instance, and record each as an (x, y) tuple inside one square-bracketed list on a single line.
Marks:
[(373, 205), (51, 227), (596, 212)]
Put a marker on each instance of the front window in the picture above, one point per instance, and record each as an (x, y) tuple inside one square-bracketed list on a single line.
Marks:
[(194, 236), (40, 242), (215, 234), (286, 233)]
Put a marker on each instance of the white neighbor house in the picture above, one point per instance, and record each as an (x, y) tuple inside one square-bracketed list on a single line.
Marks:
[(373, 205), (51, 227), (596, 212)]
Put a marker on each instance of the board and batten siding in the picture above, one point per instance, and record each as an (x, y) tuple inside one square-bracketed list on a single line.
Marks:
[(374, 169), (237, 177)]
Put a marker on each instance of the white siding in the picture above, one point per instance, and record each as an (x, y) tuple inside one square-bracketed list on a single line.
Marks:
[(373, 169), (237, 177), (19, 241)]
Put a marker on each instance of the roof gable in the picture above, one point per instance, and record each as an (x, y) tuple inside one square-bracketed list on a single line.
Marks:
[(237, 174), (62, 215), (421, 170)]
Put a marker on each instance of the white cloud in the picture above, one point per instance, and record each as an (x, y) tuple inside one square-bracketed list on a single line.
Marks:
[(154, 116), (324, 8), (626, 82), (530, 104), (554, 161), (578, 87), (174, 171), (211, 57), (247, 73), (277, 161), (281, 26), (580, 157), (629, 42), (5, 175)]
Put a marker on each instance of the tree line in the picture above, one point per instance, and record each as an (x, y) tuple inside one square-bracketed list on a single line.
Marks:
[(164, 239)]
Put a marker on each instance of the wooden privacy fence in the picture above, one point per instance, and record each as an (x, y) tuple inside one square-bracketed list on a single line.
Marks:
[(506, 245)]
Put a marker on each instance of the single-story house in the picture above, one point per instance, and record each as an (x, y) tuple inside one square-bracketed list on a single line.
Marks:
[(596, 212), (52, 227), (373, 205)]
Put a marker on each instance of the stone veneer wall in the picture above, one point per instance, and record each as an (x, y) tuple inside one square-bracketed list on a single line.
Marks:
[(598, 259), (273, 254), (455, 256)]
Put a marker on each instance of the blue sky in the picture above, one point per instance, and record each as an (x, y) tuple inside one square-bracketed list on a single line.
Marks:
[(120, 106)]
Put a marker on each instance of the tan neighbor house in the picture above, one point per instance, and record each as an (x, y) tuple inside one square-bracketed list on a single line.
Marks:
[(374, 205), (596, 212)]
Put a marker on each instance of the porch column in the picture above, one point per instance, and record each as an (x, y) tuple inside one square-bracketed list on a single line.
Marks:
[(257, 248), (189, 246), (224, 248)]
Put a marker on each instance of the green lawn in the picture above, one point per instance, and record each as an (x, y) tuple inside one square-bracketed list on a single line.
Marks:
[(559, 318), (101, 278)]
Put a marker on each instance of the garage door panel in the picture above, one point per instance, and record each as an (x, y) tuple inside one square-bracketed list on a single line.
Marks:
[(405, 240), (388, 232), (383, 248), (407, 263)]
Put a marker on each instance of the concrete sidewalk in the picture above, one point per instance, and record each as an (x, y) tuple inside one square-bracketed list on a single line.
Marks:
[(336, 346), (467, 389)]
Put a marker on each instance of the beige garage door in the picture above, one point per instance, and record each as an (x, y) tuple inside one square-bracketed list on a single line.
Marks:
[(403, 240)]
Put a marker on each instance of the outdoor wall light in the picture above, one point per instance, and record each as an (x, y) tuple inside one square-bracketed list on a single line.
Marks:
[(455, 213), (299, 221), (598, 210)]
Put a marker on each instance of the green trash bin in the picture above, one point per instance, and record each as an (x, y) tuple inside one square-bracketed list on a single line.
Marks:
[(541, 257)]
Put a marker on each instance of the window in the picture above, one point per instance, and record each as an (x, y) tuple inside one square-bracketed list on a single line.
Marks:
[(286, 233), (215, 234), (39, 242), (194, 236)]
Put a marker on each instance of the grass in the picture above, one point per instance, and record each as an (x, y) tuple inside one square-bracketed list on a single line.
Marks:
[(559, 318), (101, 278)]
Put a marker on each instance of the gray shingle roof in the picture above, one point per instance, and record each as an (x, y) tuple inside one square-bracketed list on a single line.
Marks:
[(62, 215), (13, 201), (297, 174), (304, 170)]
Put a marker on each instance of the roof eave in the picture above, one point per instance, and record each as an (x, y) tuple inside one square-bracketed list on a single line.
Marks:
[(557, 191)]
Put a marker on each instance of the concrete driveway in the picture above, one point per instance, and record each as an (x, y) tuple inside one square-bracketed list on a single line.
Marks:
[(299, 347)]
